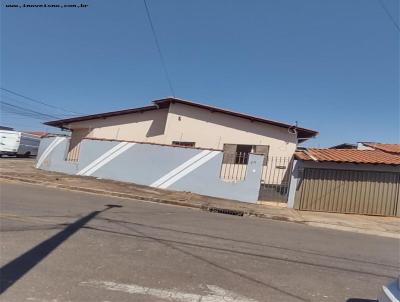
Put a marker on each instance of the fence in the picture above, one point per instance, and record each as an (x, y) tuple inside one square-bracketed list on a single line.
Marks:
[(275, 178), (234, 166), (73, 152)]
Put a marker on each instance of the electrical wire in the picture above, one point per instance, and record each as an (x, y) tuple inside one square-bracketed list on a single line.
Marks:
[(164, 65), (17, 110), (18, 106), (21, 125), (29, 105), (37, 101), (382, 4)]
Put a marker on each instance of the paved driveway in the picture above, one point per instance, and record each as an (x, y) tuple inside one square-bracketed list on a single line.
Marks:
[(65, 246)]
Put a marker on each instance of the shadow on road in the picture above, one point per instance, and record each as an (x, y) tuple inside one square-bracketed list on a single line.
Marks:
[(233, 251), (15, 269), (217, 265), (174, 244), (309, 252)]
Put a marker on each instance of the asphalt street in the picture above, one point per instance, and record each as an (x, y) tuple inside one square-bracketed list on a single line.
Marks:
[(60, 246)]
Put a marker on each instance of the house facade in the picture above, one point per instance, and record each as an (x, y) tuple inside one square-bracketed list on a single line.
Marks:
[(173, 121), (233, 138)]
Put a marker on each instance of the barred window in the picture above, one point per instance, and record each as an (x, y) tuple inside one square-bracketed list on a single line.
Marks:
[(183, 144)]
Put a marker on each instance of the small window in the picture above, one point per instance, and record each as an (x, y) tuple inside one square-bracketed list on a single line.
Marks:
[(183, 144), (237, 154), (244, 148), (242, 154), (74, 146), (73, 151), (264, 150)]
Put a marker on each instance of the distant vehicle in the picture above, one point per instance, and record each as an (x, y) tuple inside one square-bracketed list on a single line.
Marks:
[(20, 144), (390, 292)]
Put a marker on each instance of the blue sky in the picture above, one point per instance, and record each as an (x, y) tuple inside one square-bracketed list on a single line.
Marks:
[(333, 66)]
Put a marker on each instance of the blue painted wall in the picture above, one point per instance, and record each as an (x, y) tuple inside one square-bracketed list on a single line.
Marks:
[(193, 170)]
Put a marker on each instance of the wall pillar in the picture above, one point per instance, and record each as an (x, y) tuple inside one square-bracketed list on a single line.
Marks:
[(294, 182)]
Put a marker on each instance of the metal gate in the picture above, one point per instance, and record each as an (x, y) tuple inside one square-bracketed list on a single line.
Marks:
[(349, 191), (275, 178)]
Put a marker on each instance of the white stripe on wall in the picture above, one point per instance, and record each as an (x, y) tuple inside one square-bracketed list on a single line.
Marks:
[(184, 169), (181, 167), (102, 157), (44, 154), (109, 158), (105, 158), (48, 150), (189, 169)]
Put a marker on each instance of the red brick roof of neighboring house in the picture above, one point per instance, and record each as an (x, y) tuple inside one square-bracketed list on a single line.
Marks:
[(37, 133), (303, 133), (391, 148), (348, 156), (344, 146)]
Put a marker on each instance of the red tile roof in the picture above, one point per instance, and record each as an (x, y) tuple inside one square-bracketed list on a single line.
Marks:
[(37, 133), (391, 148), (348, 156)]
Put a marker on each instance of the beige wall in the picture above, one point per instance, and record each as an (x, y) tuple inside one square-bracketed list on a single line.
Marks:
[(187, 123), (147, 126), (74, 144), (212, 129)]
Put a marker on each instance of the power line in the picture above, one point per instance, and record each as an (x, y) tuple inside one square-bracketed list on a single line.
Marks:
[(37, 101), (24, 115), (12, 108), (389, 15), (17, 114), (20, 125), (17, 110), (164, 65), (16, 101), (61, 115)]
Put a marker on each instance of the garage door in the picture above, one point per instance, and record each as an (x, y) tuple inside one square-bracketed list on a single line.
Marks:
[(345, 191)]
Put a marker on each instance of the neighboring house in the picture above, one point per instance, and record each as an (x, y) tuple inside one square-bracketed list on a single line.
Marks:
[(344, 146), (37, 133), (173, 121), (362, 181), (389, 148)]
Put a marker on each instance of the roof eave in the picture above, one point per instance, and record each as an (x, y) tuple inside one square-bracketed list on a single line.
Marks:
[(347, 162), (303, 133), (61, 123)]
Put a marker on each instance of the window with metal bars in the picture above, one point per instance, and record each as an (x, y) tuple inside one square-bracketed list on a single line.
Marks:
[(183, 144), (73, 151)]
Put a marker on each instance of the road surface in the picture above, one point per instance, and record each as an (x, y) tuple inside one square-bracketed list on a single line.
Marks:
[(60, 246)]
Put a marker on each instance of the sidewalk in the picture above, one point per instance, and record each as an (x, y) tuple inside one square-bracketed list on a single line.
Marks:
[(23, 170)]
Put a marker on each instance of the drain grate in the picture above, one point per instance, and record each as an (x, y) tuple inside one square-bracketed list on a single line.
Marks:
[(226, 211)]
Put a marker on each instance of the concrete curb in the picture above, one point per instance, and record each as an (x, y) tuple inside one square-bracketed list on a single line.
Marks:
[(353, 229), (204, 206), (199, 205), (102, 192)]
